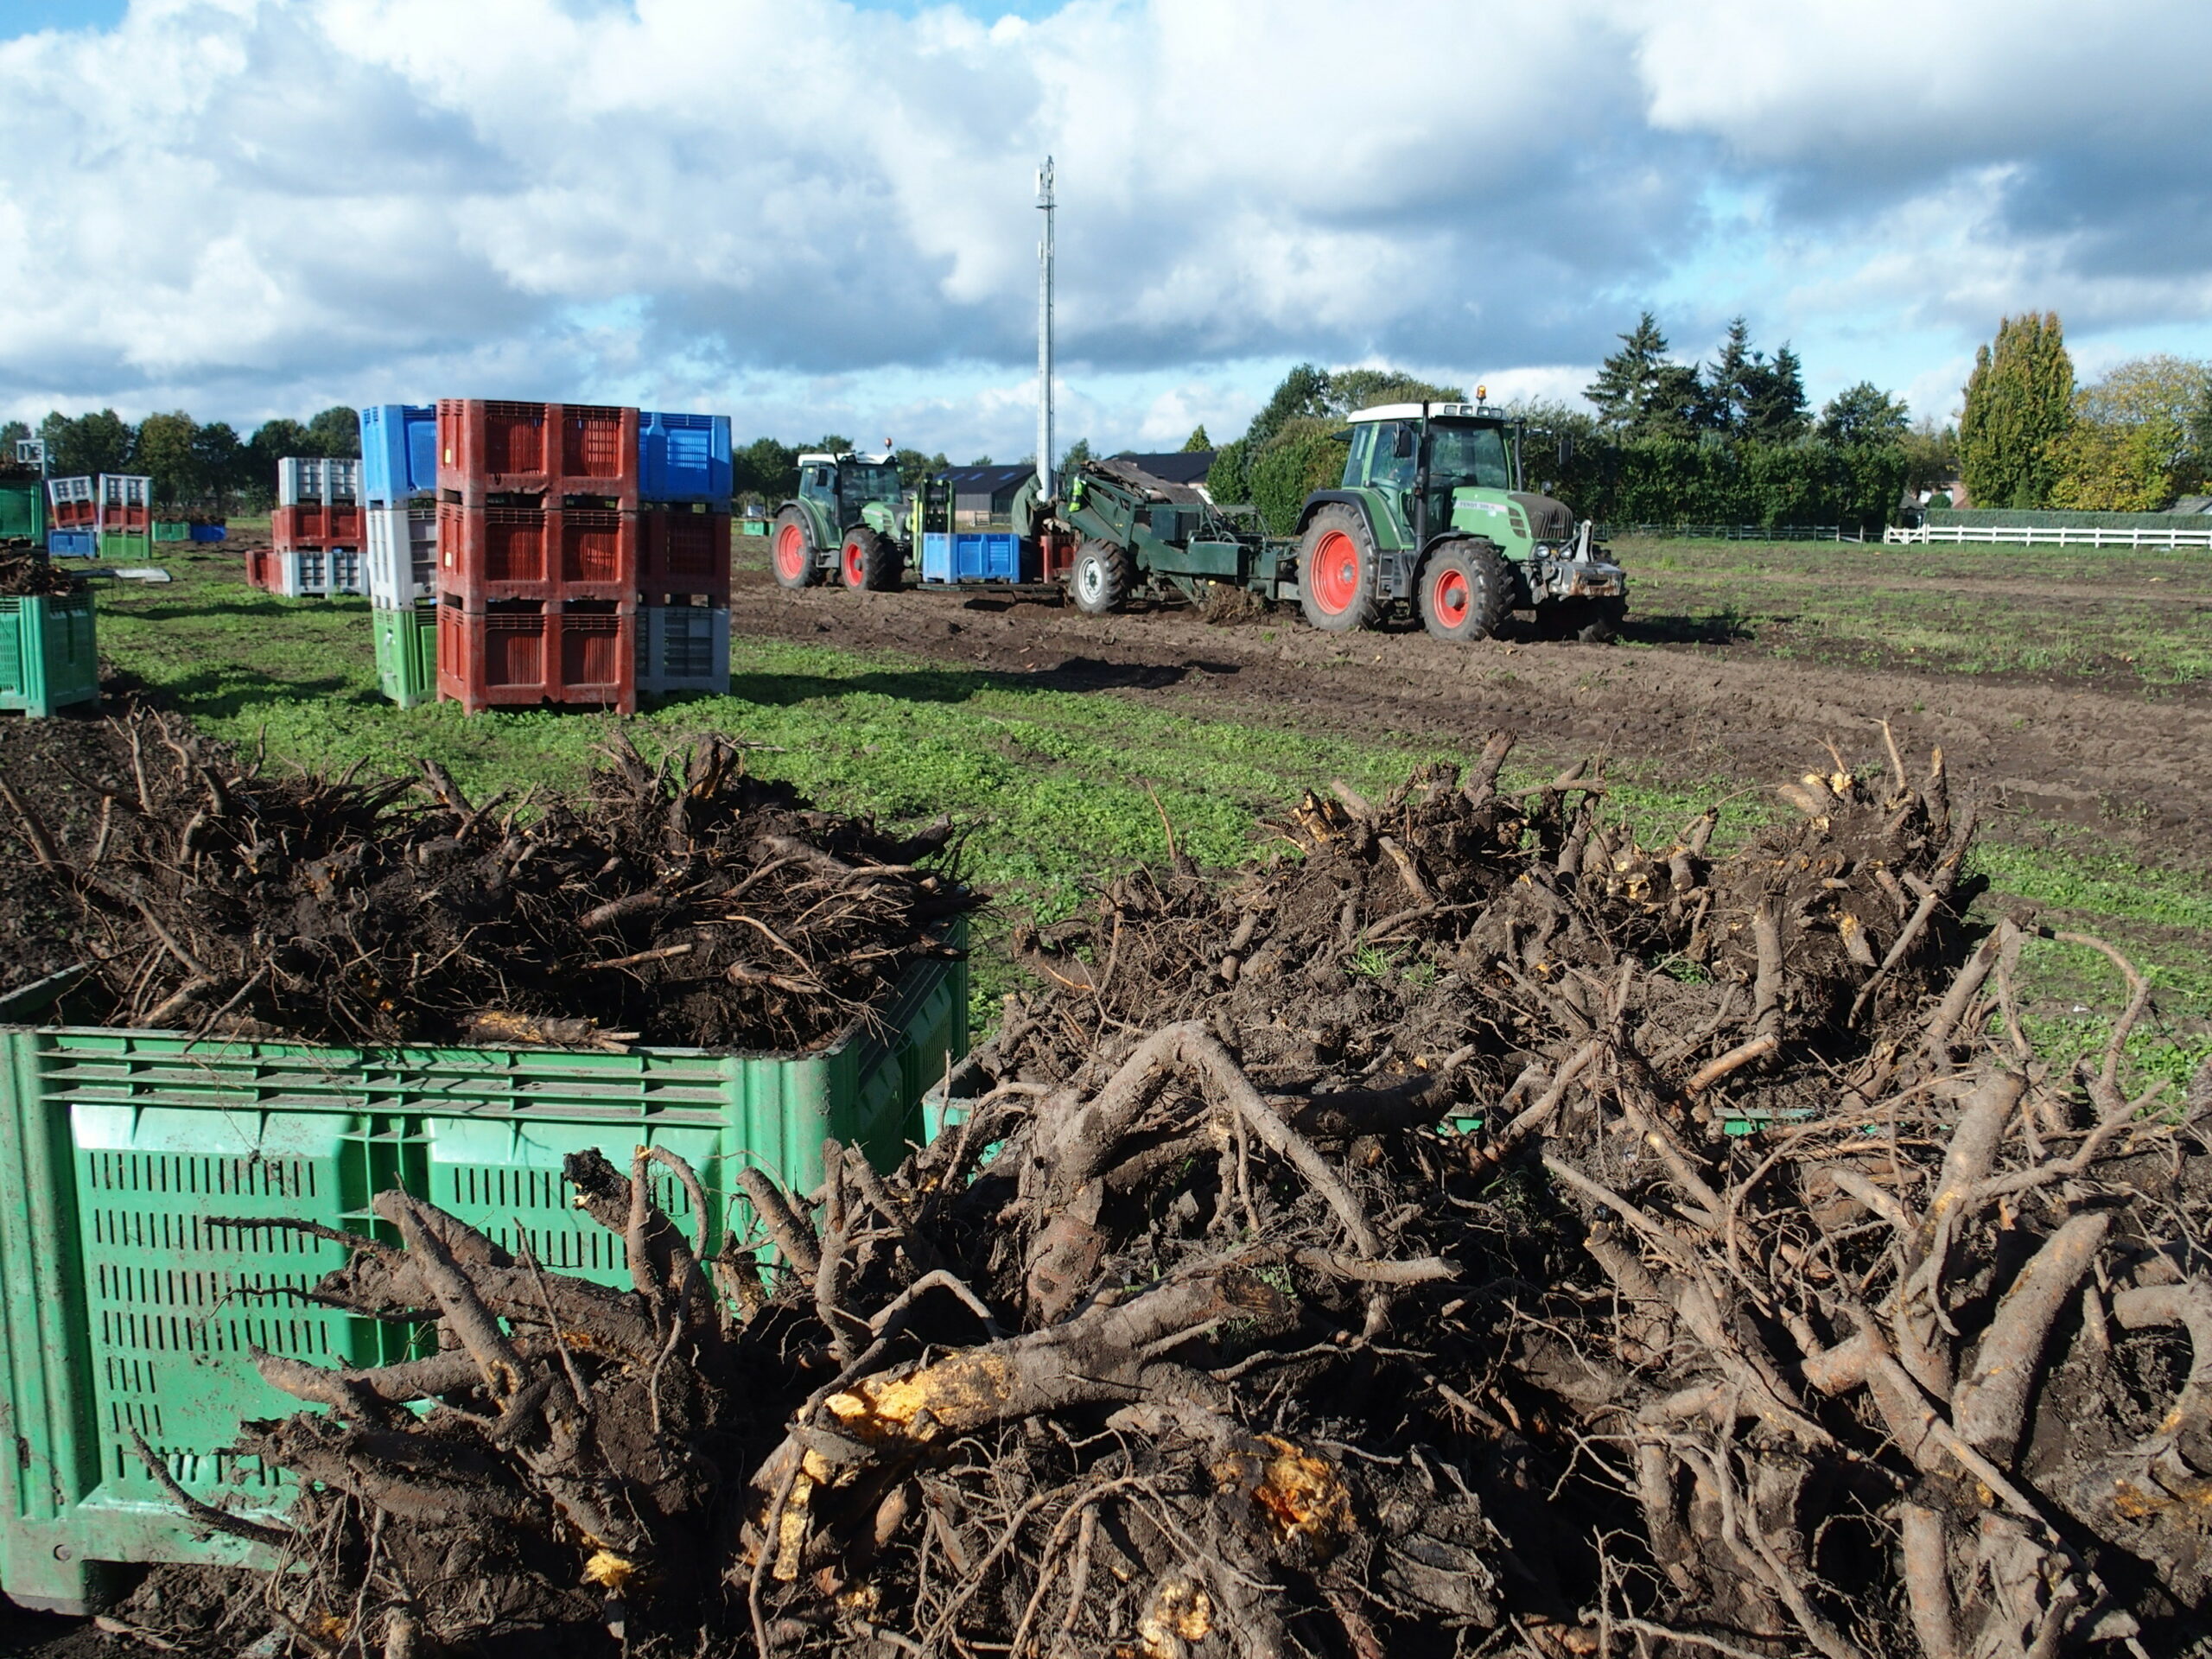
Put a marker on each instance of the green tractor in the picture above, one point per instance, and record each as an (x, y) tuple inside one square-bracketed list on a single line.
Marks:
[(1432, 514), (846, 519)]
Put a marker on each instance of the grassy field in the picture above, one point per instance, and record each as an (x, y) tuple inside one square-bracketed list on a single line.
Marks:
[(2100, 615), (1063, 787)]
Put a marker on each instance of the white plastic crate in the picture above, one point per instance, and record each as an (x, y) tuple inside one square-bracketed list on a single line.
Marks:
[(683, 648), (401, 545), (317, 572), (313, 480)]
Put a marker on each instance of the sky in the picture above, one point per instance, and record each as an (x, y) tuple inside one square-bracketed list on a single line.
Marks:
[(818, 216)]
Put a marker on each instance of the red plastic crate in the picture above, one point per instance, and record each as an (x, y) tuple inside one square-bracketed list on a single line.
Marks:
[(488, 448), (681, 551), (489, 554), (316, 524), (520, 653), (260, 567)]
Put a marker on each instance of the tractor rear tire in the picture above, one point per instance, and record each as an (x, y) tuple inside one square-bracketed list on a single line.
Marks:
[(1101, 577), (869, 562), (790, 551), (1336, 571), (1466, 590)]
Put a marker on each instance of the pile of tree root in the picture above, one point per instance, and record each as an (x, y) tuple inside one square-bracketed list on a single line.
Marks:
[(682, 902), (1478, 1234), (27, 573)]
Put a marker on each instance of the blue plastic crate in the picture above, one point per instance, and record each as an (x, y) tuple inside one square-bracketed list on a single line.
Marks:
[(683, 457), (399, 452), (972, 555), (209, 533), (74, 544)]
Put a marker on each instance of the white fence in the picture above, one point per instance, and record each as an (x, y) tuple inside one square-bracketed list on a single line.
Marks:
[(2045, 535)]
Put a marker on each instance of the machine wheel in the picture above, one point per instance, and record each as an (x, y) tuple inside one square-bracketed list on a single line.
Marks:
[(1466, 590), (1101, 577), (790, 551), (868, 562), (1336, 571)]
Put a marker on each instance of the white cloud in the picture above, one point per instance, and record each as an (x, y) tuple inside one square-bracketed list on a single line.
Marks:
[(820, 216)]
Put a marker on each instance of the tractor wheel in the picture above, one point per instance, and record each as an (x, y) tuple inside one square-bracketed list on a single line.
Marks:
[(1336, 571), (868, 562), (791, 549), (1466, 590), (1101, 577)]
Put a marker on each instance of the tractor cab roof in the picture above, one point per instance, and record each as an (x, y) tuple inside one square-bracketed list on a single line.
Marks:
[(1433, 411), (847, 454)]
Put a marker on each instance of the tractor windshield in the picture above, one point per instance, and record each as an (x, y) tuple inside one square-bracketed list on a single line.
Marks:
[(861, 483), (1469, 455)]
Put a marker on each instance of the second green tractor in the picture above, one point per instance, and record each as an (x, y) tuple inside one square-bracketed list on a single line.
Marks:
[(845, 522)]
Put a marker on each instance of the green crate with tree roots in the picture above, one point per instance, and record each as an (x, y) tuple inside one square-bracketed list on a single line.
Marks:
[(846, 522), (143, 1176)]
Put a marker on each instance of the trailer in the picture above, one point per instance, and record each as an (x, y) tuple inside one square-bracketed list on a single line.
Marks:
[(1135, 530)]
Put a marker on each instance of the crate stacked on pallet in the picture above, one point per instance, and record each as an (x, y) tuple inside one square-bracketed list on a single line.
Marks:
[(315, 535), (684, 485), (399, 513), (126, 516), (538, 558), (73, 518)]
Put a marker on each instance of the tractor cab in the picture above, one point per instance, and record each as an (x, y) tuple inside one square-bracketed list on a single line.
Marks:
[(851, 489)]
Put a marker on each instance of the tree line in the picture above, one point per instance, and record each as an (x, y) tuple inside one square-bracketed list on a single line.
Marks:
[(1730, 442), (191, 465), (2133, 440)]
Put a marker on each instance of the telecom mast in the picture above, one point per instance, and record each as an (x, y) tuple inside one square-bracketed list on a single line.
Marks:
[(1044, 336)]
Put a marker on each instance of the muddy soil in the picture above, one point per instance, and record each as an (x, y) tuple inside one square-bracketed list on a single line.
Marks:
[(2126, 764)]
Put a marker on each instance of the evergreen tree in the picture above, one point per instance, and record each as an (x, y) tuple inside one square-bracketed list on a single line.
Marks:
[(1775, 408), (1197, 441), (2018, 406), (1728, 379), (1641, 393)]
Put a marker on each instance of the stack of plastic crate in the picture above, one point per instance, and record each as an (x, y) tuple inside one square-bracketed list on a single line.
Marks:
[(539, 559), (126, 516), (316, 532), (73, 518), (399, 515), (683, 471)]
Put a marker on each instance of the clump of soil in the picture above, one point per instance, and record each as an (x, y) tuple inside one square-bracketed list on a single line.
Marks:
[(681, 903)]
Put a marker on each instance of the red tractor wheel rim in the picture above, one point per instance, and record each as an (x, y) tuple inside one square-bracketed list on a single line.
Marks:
[(791, 552), (1335, 572), (1451, 597), (855, 566)]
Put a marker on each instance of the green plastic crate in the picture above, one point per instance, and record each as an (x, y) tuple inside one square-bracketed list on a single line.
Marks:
[(166, 531), (49, 656), (22, 509), (126, 544), (752, 526), (122, 1308), (407, 652)]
